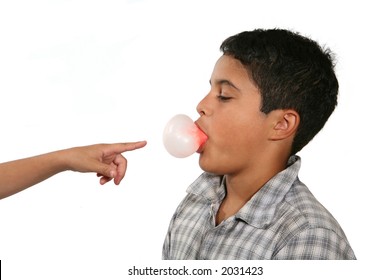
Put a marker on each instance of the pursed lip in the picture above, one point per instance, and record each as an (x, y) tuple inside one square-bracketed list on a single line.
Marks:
[(201, 147)]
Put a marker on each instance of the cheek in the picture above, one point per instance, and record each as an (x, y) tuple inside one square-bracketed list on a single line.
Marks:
[(240, 137), (229, 142), (226, 132), (241, 127)]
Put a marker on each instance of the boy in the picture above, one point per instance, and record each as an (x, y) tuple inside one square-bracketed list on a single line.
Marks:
[(271, 92)]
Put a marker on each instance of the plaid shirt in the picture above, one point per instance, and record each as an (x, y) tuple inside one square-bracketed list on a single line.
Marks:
[(282, 220)]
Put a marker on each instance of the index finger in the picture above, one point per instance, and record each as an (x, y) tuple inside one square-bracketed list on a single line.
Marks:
[(124, 147)]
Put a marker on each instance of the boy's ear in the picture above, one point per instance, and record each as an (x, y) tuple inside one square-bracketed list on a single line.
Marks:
[(285, 125)]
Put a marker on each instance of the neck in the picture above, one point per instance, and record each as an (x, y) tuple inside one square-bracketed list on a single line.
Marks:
[(242, 186)]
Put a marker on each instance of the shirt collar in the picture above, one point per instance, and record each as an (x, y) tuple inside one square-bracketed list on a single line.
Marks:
[(260, 209), (209, 186)]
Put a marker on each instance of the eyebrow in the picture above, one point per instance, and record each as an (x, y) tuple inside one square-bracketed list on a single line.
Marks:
[(226, 82)]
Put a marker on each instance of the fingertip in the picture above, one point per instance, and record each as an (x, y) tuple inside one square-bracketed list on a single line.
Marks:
[(138, 144), (116, 181), (143, 143)]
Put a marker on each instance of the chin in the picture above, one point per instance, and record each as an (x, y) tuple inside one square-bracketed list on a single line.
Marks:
[(209, 167)]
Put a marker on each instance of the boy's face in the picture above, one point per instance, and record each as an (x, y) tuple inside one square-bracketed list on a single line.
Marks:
[(230, 116)]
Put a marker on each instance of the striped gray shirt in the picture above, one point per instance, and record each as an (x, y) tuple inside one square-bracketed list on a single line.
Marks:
[(283, 220)]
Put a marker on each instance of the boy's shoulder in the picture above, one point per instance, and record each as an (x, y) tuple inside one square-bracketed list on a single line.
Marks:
[(301, 211), (301, 205), (306, 229)]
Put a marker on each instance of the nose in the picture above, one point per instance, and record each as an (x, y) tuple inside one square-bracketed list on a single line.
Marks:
[(203, 108)]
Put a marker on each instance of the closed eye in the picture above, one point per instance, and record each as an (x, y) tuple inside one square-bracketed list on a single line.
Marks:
[(223, 98)]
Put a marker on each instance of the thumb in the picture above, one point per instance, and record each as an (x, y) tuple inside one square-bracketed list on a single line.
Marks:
[(105, 170)]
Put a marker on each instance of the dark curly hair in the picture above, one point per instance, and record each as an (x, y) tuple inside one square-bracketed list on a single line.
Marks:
[(291, 72)]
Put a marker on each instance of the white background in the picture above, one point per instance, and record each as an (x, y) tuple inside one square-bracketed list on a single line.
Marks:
[(83, 72)]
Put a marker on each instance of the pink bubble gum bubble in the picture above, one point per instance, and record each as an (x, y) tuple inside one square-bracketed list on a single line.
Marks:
[(182, 137)]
